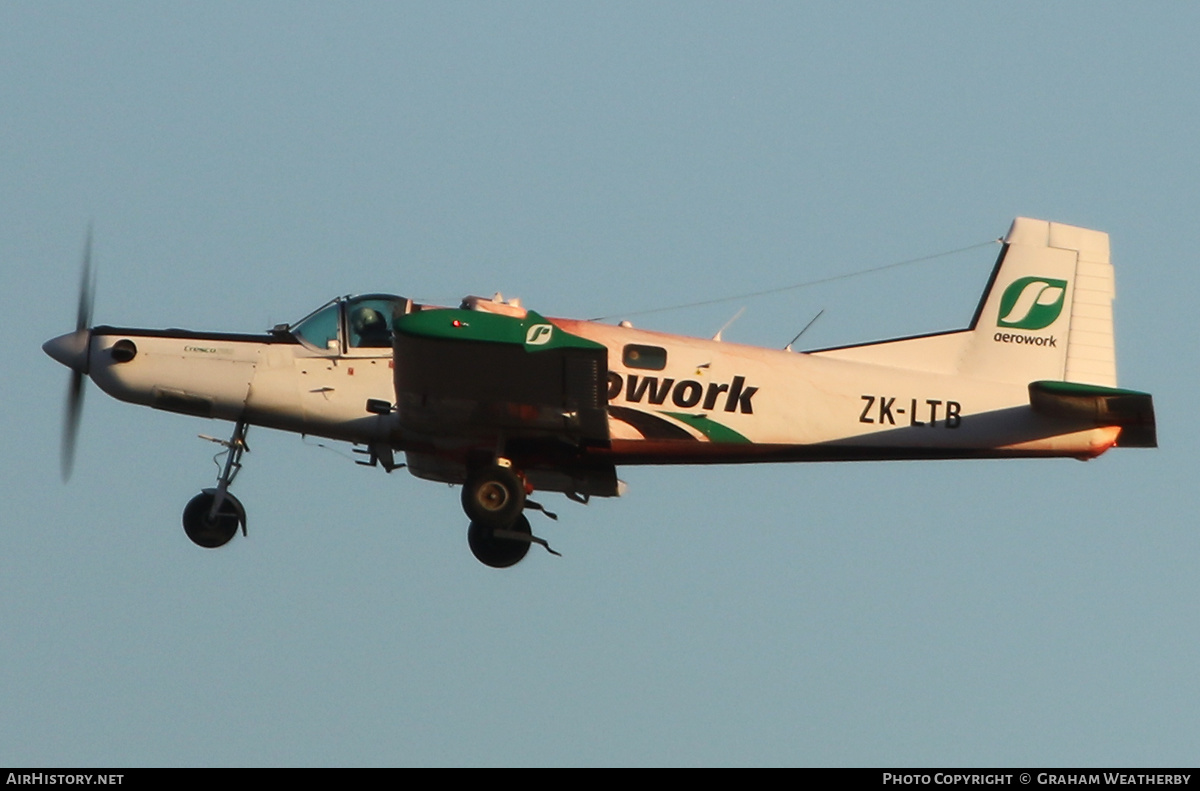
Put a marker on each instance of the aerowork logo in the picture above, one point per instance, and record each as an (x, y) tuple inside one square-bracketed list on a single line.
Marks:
[(685, 394), (538, 335), (1032, 303)]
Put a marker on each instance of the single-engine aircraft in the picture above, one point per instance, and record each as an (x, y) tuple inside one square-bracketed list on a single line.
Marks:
[(506, 402)]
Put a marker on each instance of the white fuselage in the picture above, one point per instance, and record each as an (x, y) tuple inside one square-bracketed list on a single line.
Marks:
[(708, 402), (796, 406), (266, 381)]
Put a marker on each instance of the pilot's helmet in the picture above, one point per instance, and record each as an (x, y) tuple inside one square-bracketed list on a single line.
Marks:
[(368, 321)]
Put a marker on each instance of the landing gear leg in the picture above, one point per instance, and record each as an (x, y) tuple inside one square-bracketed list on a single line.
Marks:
[(212, 518)]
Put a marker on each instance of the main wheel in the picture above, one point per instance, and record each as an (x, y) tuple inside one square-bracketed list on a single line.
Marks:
[(216, 532), (497, 552), (494, 496)]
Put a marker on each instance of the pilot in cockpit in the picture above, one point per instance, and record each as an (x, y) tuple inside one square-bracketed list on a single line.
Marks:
[(371, 328)]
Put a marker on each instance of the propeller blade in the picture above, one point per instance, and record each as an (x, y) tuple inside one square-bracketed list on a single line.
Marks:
[(83, 316), (78, 363), (71, 423)]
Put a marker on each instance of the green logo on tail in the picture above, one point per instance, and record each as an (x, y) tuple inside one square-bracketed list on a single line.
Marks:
[(1032, 303)]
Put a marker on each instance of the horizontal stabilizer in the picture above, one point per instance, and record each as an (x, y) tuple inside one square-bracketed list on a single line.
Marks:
[(1133, 411)]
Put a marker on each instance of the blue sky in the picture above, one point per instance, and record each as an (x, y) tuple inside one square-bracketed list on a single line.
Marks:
[(243, 163)]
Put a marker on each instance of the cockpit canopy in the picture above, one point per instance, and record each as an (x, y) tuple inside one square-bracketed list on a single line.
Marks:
[(345, 323)]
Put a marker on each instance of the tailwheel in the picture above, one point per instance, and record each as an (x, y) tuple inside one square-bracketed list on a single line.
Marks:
[(500, 547), (210, 530), (494, 496)]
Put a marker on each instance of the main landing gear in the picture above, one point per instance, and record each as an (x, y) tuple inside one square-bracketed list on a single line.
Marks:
[(493, 498), (500, 547), (211, 519)]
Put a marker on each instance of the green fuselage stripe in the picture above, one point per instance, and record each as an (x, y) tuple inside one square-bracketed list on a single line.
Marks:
[(710, 428)]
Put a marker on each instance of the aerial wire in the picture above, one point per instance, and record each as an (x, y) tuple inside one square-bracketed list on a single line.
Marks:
[(805, 284)]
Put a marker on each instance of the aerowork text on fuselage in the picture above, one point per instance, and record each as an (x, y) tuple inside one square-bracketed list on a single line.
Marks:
[(733, 396), (883, 410)]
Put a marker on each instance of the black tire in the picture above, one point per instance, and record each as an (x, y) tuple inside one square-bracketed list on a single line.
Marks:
[(217, 532), (494, 496), (499, 553)]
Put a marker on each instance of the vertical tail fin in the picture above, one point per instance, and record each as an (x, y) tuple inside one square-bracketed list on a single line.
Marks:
[(1047, 312), (1046, 315)]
